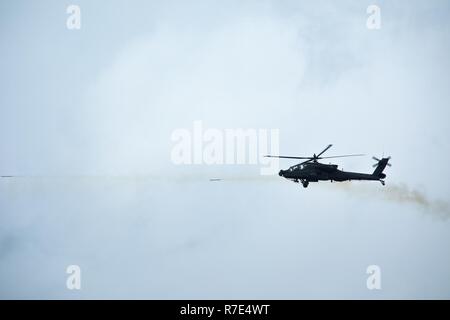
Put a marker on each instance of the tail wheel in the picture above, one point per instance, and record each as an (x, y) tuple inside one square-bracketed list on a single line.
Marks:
[(305, 184)]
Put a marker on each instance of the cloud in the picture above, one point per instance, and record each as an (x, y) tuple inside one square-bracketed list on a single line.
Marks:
[(142, 227), (233, 75)]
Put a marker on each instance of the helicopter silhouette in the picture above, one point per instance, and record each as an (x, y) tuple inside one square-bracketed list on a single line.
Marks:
[(313, 171)]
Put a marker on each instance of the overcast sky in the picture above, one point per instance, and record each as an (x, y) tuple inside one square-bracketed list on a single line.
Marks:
[(87, 117)]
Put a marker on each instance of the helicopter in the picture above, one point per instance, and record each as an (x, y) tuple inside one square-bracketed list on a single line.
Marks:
[(313, 171)]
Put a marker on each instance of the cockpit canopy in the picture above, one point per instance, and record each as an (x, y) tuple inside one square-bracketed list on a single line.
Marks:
[(296, 167)]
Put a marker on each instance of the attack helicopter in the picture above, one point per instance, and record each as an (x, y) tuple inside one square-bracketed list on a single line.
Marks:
[(311, 170)]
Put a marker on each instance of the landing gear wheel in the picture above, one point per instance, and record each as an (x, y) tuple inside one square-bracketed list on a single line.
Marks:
[(382, 182), (305, 184)]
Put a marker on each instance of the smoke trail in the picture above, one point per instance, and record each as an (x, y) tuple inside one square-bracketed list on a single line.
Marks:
[(399, 193), (180, 178)]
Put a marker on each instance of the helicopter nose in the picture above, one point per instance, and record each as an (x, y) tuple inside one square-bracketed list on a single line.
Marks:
[(281, 173)]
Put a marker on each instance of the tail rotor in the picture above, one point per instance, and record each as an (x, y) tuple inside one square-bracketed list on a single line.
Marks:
[(378, 161)]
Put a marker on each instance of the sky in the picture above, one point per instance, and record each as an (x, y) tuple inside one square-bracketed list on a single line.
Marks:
[(87, 118)]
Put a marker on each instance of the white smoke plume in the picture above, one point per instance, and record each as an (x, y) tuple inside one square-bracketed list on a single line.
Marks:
[(399, 193)]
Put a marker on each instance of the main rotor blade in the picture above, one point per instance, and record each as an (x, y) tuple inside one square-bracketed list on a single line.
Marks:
[(305, 162), (343, 156), (329, 146), (288, 157)]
